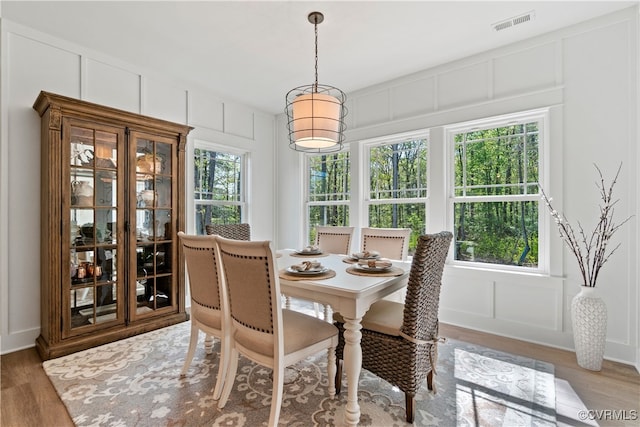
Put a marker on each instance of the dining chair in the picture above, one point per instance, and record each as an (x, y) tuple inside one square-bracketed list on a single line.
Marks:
[(230, 231), (261, 330), (334, 239), (399, 341), (389, 242), (209, 307)]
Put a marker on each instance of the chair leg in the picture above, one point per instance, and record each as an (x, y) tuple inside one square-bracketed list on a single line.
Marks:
[(230, 378), (411, 407), (222, 368), (430, 384), (276, 394), (338, 380), (193, 341)]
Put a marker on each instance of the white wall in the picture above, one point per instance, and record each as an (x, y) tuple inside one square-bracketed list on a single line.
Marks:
[(588, 76), (31, 62)]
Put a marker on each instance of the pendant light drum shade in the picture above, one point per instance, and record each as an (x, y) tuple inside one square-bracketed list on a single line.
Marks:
[(316, 118), (315, 113)]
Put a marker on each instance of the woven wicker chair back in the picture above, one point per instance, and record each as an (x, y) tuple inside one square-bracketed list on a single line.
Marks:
[(334, 240), (230, 231), (423, 290)]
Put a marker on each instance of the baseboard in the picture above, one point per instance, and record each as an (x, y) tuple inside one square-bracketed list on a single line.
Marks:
[(18, 340)]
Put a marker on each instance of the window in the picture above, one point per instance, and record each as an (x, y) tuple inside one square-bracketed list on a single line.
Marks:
[(329, 179), (219, 194), (397, 184), (495, 169)]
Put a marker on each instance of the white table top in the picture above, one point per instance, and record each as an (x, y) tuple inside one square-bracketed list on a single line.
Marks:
[(348, 294)]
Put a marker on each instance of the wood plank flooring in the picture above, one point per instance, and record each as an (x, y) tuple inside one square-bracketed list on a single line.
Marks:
[(615, 388), (29, 400)]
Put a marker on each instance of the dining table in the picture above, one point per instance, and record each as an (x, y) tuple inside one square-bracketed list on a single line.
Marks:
[(348, 290)]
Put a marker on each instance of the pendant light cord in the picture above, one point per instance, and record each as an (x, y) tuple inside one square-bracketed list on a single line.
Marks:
[(315, 26)]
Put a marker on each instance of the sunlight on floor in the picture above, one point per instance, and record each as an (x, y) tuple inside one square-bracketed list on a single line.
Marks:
[(490, 390)]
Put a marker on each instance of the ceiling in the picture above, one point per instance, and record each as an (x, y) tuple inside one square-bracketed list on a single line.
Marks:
[(254, 52)]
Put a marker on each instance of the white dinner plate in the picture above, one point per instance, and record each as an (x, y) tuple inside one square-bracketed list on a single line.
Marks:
[(310, 272), (372, 269), (303, 252)]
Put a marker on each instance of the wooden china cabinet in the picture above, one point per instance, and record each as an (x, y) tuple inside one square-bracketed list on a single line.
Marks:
[(112, 203)]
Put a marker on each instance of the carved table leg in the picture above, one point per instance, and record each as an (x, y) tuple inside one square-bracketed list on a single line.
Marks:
[(352, 367), (208, 344), (331, 371)]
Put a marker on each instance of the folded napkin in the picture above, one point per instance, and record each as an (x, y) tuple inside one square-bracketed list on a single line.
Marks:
[(366, 254), (376, 263), (306, 266), (311, 248)]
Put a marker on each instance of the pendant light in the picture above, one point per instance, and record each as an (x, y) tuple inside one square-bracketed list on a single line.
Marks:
[(315, 113)]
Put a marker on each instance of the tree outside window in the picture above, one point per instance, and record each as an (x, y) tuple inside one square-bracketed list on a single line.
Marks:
[(495, 193), (398, 186), (218, 183), (329, 186)]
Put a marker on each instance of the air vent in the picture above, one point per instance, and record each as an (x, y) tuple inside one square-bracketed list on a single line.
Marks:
[(511, 22)]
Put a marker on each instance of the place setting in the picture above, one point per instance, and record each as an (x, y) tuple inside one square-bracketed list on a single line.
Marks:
[(309, 251), (374, 266), (306, 269), (364, 255)]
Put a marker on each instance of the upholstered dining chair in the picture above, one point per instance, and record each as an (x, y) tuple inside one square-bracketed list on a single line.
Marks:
[(334, 239), (260, 329), (390, 242), (230, 231), (209, 312), (399, 341)]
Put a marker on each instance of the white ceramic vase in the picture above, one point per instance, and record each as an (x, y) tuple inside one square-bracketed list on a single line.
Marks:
[(589, 321)]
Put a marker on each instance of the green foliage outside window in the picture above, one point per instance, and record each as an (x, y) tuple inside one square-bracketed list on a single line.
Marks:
[(407, 215), (503, 233), (218, 188), (330, 184), (397, 172), (500, 165), (329, 177)]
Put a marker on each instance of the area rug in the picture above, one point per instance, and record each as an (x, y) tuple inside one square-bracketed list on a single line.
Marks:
[(136, 382)]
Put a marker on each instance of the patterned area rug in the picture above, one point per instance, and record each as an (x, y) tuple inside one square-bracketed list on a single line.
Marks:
[(135, 382)]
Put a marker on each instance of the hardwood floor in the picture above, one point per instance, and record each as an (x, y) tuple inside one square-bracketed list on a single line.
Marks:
[(615, 388), (28, 398)]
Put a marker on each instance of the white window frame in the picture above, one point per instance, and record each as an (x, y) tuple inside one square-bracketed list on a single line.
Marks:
[(244, 178), (542, 116)]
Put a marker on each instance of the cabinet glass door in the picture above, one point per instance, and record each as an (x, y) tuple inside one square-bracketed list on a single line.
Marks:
[(94, 289), (155, 287)]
